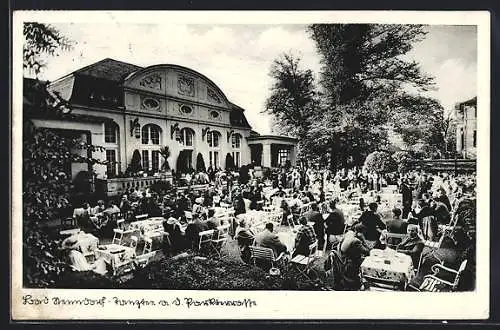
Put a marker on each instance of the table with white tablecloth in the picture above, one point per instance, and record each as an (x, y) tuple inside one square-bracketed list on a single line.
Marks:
[(147, 226), (388, 265), (116, 255)]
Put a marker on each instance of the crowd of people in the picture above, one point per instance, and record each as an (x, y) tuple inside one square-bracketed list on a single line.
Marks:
[(428, 200)]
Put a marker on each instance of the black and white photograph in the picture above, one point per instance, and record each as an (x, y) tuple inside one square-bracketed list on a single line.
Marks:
[(315, 156)]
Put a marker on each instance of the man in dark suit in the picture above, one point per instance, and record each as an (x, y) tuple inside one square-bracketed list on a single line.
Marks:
[(268, 239), (407, 195), (319, 223), (372, 222), (396, 225)]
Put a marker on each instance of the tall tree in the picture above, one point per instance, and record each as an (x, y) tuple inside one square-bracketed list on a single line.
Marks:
[(363, 73), (293, 98)]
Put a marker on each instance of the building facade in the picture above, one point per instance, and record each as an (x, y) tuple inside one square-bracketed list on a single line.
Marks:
[(466, 133), (134, 112)]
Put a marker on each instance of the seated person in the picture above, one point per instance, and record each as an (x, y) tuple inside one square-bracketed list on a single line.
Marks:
[(99, 208), (319, 223), (212, 222), (77, 260), (354, 248), (111, 209), (267, 238), (441, 212), (335, 223), (194, 227), (305, 237), (245, 237), (372, 222), (396, 225), (412, 244), (173, 227)]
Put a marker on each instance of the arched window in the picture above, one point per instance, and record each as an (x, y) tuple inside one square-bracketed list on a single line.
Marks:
[(110, 132), (186, 137), (151, 134), (213, 139), (236, 141)]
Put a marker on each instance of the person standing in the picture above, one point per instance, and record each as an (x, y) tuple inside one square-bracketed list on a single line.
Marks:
[(407, 196)]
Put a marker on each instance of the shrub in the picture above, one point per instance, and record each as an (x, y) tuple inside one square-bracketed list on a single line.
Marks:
[(380, 162), (402, 159)]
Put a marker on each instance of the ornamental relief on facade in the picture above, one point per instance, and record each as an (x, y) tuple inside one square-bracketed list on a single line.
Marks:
[(150, 103), (153, 81), (185, 85), (212, 95)]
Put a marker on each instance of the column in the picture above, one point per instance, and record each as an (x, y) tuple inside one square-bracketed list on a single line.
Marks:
[(293, 155), (266, 155)]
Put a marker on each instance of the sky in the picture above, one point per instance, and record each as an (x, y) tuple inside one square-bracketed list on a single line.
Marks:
[(238, 57)]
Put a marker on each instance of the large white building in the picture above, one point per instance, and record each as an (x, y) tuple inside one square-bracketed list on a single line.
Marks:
[(128, 109)]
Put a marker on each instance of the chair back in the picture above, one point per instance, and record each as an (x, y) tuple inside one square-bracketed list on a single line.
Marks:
[(205, 237), (141, 217), (262, 253), (223, 232), (312, 251), (120, 224), (117, 236), (393, 239)]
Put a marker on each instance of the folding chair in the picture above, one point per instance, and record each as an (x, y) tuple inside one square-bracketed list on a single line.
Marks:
[(433, 283), (119, 234), (434, 247), (304, 263), (222, 235), (205, 238), (266, 255)]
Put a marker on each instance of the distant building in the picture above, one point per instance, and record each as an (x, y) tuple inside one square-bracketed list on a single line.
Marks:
[(130, 110), (466, 119)]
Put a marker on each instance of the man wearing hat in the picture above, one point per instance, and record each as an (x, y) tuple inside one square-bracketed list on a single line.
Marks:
[(194, 227)]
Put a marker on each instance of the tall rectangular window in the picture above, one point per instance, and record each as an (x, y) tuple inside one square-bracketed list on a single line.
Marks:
[(145, 160), (155, 135), (474, 139), (145, 135), (155, 159), (210, 160), (109, 133), (111, 163)]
